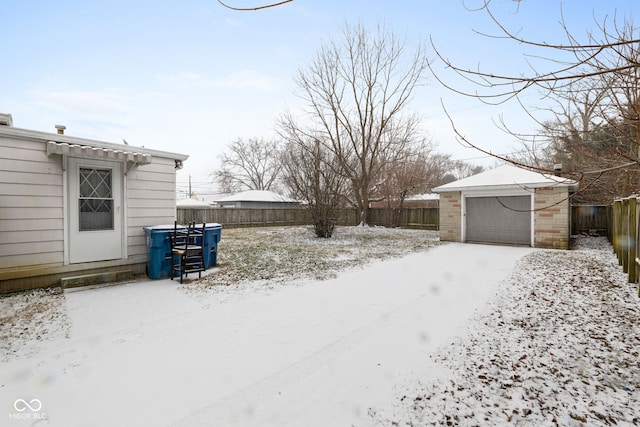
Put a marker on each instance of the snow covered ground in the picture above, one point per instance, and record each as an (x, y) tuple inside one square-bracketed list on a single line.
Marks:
[(560, 346), (450, 334)]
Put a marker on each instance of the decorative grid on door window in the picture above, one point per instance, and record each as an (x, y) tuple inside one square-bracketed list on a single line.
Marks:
[(96, 199)]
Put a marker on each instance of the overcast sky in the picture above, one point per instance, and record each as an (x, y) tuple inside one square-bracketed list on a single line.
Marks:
[(192, 76)]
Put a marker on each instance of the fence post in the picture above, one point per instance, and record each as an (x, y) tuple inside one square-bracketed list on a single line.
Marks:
[(637, 247), (616, 228), (610, 223), (625, 235), (633, 268)]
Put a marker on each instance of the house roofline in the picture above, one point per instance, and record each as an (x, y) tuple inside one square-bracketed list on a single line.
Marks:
[(50, 136)]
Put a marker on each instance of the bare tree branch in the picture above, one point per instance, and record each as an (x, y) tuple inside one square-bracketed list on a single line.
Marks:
[(253, 164), (505, 87), (254, 8), (356, 93), (591, 87)]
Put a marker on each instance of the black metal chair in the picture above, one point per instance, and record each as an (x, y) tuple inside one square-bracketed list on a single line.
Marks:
[(187, 254)]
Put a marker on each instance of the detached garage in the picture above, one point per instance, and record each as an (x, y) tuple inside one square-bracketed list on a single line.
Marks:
[(509, 206)]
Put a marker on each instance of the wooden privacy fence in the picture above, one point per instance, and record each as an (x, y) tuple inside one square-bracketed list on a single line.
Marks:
[(624, 236), (237, 217), (584, 219), (592, 219), (420, 218)]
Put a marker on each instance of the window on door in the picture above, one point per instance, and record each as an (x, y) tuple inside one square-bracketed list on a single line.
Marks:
[(96, 199)]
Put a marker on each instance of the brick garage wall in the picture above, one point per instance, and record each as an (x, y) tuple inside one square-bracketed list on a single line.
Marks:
[(450, 216), (551, 218)]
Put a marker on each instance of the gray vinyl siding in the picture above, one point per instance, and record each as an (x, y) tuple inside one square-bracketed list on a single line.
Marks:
[(31, 206), (151, 200), (32, 199)]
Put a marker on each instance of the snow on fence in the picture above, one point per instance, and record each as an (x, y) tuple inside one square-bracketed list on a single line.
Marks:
[(420, 218), (624, 236)]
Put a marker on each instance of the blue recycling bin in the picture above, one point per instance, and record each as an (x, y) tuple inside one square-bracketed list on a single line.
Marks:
[(159, 263), (212, 235)]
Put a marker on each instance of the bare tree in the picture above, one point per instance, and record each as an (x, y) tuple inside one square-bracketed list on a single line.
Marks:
[(595, 131), (313, 175), (252, 164), (356, 94), (571, 61), (584, 136), (452, 170), (417, 172), (461, 169), (595, 83)]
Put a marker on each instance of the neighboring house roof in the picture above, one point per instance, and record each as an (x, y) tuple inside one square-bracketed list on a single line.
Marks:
[(212, 199), (429, 196), (192, 203), (507, 176), (256, 196)]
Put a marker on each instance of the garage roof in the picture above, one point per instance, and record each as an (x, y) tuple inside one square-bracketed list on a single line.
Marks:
[(507, 176)]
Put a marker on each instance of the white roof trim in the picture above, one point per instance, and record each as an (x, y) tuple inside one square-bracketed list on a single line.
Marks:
[(14, 132), (89, 152), (506, 177)]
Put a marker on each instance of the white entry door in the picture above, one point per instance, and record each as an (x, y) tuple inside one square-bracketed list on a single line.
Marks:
[(95, 210)]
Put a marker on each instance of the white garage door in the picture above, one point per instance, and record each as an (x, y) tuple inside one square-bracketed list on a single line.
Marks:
[(504, 220)]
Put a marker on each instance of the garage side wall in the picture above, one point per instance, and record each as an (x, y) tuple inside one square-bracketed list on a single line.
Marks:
[(551, 218), (450, 216)]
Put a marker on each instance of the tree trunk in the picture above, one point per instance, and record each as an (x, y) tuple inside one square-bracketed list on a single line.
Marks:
[(364, 211)]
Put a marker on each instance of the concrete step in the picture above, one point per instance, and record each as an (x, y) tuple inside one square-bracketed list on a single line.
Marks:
[(96, 279)]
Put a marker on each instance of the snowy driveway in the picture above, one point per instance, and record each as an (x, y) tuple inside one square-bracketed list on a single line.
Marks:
[(146, 354)]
